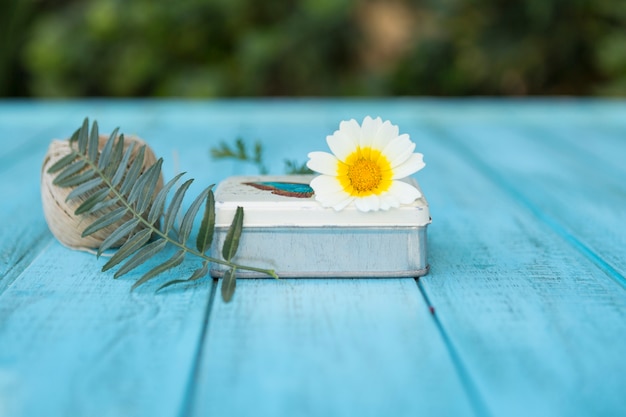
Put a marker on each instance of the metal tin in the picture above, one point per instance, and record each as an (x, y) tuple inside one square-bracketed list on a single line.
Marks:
[(285, 229)]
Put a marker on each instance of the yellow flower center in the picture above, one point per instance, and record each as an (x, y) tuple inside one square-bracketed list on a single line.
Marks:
[(364, 175), (364, 172)]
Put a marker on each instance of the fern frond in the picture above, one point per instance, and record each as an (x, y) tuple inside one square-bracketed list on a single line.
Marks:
[(127, 197), (229, 283), (240, 152)]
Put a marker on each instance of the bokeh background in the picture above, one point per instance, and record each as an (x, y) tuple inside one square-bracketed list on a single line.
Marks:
[(231, 48)]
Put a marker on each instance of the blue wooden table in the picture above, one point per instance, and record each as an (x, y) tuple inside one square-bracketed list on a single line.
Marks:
[(523, 312)]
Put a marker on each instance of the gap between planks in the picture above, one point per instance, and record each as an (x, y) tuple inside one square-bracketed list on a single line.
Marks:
[(190, 393), (471, 390)]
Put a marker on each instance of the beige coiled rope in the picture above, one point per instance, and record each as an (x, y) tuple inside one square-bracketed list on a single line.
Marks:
[(59, 213)]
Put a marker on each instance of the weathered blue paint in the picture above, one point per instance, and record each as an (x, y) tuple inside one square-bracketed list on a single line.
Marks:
[(523, 312)]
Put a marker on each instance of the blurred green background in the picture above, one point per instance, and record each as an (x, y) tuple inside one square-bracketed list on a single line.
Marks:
[(224, 48)]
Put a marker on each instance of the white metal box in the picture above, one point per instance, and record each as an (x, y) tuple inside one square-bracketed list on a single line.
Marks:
[(285, 229)]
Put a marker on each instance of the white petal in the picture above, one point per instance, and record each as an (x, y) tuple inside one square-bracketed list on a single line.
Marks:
[(362, 205), (385, 134), (342, 205), (369, 130), (329, 193), (324, 184), (334, 199), (409, 167), (342, 144), (405, 193), (351, 129), (323, 162), (399, 150), (388, 200)]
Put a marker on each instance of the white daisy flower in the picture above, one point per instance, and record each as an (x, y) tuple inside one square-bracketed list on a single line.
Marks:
[(365, 165)]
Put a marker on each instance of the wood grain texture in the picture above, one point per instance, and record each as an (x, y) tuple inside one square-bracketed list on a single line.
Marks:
[(529, 315), (526, 322), (569, 189), (326, 348), (76, 342), (73, 341)]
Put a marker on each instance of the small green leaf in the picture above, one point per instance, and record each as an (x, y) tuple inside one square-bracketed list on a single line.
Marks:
[(92, 146), (124, 230), (103, 205), (187, 223), (62, 163), (84, 188), (118, 164), (70, 171), (229, 282), (142, 194), (133, 172), (207, 226), (172, 211), (128, 248), (76, 179), (141, 256), (92, 200), (104, 221), (197, 274), (83, 137), (74, 136), (200, 272), (107, 151), (231, 242), (175, 260), (158, 204)]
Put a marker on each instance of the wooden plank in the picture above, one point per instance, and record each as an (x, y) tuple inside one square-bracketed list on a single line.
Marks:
[(73, 341), (533, 321), (23, 233), (76, 342), (576, 192), (326, 348), (323, 347), (523, 322)]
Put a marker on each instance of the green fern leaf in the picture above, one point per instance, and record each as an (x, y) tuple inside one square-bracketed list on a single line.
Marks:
[(84, 188), (187, 223), (156, 211), (104, 221), (69, 172), (104, 205), (92, 144), (121, 232), (115, 191), (229, 282), (197, 274), (107, 151), (118, 166), (116, 157), (76, 179), (172, 211), (231, 242), (174, 261), (143, 191), (62, 163), (83, 137), (92, 200), (74, 137), (207, 226), (133, 172), (129, 247), (141, 256)]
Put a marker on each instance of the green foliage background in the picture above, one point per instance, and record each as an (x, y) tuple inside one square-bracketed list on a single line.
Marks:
[(195, 48)]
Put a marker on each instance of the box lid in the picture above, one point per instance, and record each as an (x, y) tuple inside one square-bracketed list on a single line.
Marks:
[(287, 200)]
